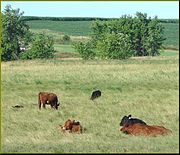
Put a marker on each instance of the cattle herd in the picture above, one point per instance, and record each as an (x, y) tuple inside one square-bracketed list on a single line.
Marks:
[(131, 126)]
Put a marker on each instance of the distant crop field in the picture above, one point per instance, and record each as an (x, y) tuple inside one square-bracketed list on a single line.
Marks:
[(82, 28), (146, 87), (171, 34), (74, 28)]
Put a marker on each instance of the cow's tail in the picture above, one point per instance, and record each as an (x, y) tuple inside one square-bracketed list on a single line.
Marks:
[(39, 100)]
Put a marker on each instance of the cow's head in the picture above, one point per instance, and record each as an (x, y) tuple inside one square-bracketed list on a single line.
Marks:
[(56, 106), (124, 120), (75, 122), (68, 125)]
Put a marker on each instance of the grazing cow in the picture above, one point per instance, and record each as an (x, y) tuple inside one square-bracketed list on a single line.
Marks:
[(71, 126), (95, 94), (145, 130), (47, 98), (127, 120)]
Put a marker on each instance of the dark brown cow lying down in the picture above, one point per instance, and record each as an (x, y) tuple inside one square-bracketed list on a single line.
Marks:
[(145, 130), (47, 98), (71, 126)]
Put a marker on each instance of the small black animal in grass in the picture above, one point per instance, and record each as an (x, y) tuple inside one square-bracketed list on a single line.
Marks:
[(18, 106), (95, 94), (127, 120)]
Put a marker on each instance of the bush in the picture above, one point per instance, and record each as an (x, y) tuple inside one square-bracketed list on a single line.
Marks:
[(85, 49), (114, 46), (66, 38), (145, 36), (42, 47)]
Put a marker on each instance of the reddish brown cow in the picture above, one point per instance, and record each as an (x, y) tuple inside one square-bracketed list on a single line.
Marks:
[(71, 126), (145, 130), (47, 98)]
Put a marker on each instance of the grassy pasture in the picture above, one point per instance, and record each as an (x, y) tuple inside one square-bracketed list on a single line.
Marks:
[(145, 87)]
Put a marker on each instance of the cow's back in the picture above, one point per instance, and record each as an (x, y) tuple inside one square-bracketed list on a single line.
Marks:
[(52, 97), (145, 130), (43, 96)]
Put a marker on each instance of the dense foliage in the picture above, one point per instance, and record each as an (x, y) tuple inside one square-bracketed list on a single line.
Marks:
[(127, 36), (42, 47), (19, 42), (85, 49), (15, 34)]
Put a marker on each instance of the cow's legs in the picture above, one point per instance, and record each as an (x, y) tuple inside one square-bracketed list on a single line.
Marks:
[(44, 105), (39, 105)]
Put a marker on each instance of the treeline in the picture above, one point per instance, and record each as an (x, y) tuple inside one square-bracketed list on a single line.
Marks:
[(29, 18)]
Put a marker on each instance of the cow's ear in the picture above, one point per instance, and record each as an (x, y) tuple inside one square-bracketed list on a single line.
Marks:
[(129, 116)]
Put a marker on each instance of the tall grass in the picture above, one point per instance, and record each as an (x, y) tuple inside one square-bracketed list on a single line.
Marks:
[(147, 88)]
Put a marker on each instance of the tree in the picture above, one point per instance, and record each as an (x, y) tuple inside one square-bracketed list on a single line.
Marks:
[(143, 35), (85, 49), (114, 46), (14, 32), (41, 48)]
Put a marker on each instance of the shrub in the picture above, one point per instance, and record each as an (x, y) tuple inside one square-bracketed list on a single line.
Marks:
[(42, 47), (145, 36), (85, 49), (66, 38), (114, 46)]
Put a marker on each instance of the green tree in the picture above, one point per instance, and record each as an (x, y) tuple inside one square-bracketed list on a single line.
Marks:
[(85, 49), (14, 30), (41, 48), (144, 36), (114, 46)]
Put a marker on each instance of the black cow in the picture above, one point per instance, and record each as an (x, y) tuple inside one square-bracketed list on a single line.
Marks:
[(127, 120), (95, 94)]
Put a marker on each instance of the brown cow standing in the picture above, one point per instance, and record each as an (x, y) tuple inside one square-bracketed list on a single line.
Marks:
[(145, 130), (71, 126), (47, 98)]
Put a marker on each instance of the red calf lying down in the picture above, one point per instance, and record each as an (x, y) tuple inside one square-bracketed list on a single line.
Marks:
[(71, 126), (145, 130)]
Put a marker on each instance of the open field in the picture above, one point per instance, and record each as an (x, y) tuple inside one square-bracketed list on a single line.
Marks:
[(74, 28), (146, 87)]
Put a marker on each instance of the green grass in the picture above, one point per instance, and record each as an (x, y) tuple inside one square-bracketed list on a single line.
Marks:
[(145, 87), (64, 48), (171, 34), (169, 53), (65, 51), (74, 28)]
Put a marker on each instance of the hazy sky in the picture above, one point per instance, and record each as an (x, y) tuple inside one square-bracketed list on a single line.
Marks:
[(110, 9)]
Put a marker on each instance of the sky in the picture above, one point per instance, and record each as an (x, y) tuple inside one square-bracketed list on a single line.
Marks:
[(105, 9)]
